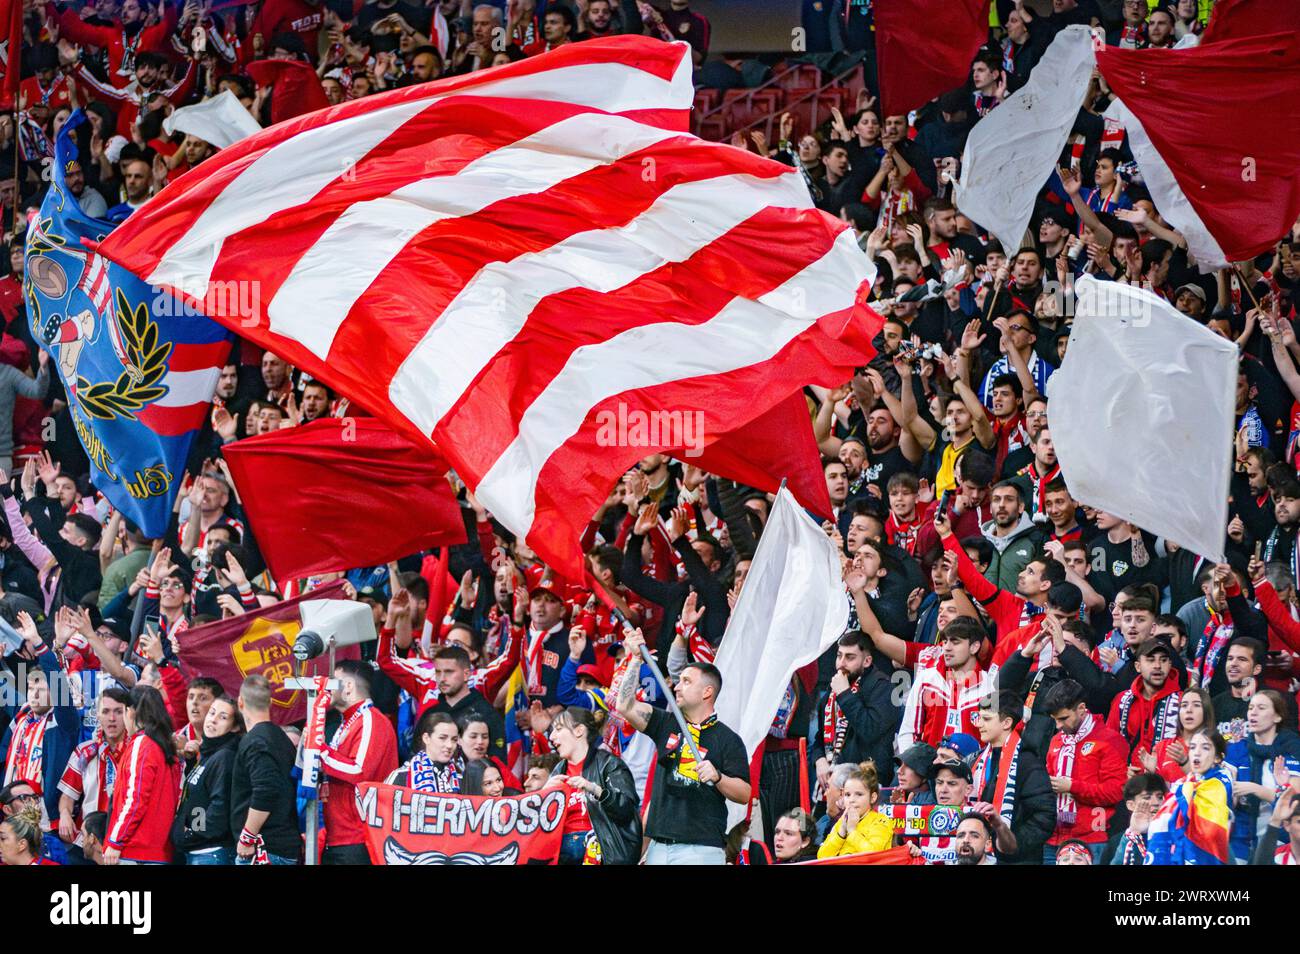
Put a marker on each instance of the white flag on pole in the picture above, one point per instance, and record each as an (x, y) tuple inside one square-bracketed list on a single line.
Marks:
[(792, 607), (221, 120), (1012, 151), (1142, 413)]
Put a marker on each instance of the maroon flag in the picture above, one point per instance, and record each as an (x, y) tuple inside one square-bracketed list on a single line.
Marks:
[(342, 493), (261, 642), (1234, 19), (925, 47), (1227, 173)]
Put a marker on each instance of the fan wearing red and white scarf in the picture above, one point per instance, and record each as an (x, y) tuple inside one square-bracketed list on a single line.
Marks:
[(1067, 809), (1004, 790)]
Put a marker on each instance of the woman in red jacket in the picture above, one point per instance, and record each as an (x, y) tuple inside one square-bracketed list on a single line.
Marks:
[(148, 785)]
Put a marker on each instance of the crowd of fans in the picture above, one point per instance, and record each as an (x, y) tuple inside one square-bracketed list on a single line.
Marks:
[(1041, 676)]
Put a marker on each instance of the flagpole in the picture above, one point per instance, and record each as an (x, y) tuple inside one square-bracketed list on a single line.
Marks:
[(13, 227), (672, 704), (311, 758), (668, 694), (1246, 285)]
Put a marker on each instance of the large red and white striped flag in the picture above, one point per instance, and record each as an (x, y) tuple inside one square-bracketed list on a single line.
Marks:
[(500, 261)]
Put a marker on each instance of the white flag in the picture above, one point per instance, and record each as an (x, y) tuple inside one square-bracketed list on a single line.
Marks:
[(221, 121), (1012, 151), (792, 607), (1142, 415)]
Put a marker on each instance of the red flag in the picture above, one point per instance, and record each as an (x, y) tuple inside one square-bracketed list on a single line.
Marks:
[(406, 827), (924, 48), (337, 494), (1234, 19), (1226, 173), (890, 856), (11, 15), (778, 443), (261, 642), (297, 87), (502, 261)]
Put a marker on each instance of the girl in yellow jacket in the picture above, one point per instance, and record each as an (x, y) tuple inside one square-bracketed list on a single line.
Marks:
[(861, 828)]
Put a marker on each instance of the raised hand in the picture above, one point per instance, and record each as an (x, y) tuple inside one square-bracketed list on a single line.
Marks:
[(646, 520), (577, 642), (399, 606), (971, 338), (162, 566), (224, 423), (47, 469), (679, 523), (1071, 179), (692, 612), (468, 591), (234, 571)]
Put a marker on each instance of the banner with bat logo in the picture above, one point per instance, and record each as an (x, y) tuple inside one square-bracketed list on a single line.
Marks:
[(406, 827)]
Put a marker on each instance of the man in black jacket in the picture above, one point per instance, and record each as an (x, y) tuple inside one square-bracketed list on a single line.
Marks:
[(456, 698), (856, 719), (262, 795), (700, 576), (1011, 785)]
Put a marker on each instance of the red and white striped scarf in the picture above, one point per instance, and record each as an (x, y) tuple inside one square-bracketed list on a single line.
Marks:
[(1067, 809), (1284, 855), (25, 759), (533, 662), (835, 724), (1004, 790)]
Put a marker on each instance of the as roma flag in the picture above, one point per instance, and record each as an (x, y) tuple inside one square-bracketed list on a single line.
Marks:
[(341, 493), (231, 649), (406, 827)]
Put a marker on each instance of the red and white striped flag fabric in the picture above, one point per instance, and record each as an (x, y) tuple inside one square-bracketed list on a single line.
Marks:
[(491, 261)]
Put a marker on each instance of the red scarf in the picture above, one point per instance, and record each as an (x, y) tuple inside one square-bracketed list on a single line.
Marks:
[(1004, 789), (835, 723), (1040, 485)]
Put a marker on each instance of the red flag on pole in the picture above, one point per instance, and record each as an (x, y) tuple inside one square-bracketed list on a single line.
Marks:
[(507, 279), (925, 47), (337, 494), (1234, 19), (1226, 176), (11, 15), (778, 443)]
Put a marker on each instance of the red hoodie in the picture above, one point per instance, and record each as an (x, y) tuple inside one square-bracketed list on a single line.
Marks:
[(1097, 775), (122, 49), (145, 796), (1144, 722), (364, 749)]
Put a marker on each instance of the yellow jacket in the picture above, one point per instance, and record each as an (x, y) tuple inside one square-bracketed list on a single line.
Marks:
[(874, 832)]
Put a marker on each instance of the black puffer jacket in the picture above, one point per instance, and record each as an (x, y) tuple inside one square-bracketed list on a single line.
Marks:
[(616, 815)]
